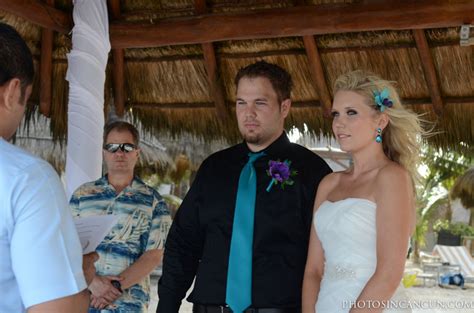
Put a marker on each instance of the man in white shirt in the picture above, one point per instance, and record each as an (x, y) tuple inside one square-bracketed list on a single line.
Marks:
[(40, 252)]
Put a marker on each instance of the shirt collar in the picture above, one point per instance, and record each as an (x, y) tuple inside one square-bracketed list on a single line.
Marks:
[(275, 149), (104, 181)]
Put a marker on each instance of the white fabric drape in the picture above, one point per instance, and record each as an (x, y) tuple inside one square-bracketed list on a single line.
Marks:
[(86, 75)]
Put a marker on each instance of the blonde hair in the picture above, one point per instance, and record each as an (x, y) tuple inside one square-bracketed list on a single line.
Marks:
[(401, 137)]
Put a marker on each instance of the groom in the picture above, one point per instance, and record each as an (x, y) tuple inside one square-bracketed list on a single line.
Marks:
[(242, 231)]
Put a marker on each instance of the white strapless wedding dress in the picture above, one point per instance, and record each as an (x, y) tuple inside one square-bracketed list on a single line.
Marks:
[(347, 232)]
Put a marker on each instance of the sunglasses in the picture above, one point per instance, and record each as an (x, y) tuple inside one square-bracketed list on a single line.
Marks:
[(114, 147)]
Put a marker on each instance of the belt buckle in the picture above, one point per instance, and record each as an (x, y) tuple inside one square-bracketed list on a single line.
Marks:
[(222, 307)]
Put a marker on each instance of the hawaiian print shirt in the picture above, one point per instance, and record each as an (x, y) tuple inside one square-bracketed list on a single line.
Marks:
[(143, 225)]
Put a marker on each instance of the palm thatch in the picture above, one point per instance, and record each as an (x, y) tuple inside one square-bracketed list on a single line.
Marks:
[(36, 138), (167, 88), (196, 149)]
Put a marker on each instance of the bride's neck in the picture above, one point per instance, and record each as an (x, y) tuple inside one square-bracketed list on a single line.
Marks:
[(368, 160)]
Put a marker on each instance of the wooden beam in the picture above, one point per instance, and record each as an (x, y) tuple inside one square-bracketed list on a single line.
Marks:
[(459, 100), (46, 68), (215, 83), (261, 54), (118, 66), (295, 104), (447, 100), (272, 23), (317, 73), (316, 70), (165, 58), (429, 69), (294, 21), (39, 13), (217, 88), (284, 52), (206, 105), (171, 106)]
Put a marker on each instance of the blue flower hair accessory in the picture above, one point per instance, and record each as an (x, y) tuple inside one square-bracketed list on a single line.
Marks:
[(382, 99)]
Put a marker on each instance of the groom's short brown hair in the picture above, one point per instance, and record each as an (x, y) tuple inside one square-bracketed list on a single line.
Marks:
[(279, 78)]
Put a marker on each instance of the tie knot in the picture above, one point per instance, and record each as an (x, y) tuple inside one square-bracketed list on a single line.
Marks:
[(254, 156)]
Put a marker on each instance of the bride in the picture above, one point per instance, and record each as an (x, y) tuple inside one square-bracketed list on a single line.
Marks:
[(365, 215)]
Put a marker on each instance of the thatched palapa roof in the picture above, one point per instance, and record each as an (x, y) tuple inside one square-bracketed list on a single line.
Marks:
[(177, 59), (35, 136)]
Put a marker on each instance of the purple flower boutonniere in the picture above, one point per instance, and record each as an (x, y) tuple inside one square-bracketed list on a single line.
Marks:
[(280, 172)]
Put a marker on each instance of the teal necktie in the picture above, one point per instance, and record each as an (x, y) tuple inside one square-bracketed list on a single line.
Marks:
[(239, 274)]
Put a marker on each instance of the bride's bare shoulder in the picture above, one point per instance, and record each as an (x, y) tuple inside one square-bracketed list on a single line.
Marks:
[(331, 180), (327, 184)]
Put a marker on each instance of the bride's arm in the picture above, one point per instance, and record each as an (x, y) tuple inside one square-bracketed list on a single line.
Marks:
[(313, 273), (315, 261), (394, 221)]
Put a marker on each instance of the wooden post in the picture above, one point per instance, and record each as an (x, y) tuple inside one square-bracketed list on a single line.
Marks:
[(46, 68), (118, 67)]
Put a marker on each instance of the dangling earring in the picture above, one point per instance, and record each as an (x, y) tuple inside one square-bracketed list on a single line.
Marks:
[(378, 138)]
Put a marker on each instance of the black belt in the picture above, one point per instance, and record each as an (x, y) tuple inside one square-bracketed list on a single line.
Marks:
[(199, 308)]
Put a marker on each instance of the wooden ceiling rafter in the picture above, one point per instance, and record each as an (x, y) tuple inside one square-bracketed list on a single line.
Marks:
[(293, 21), (118, 65), (212, 69), (39, 13), (259, 24), (46, 68), (316, 69), (317, 73), (429, 70), (295, 104), (271, 53)]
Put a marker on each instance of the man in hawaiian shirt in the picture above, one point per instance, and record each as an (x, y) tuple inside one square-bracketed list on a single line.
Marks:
[(134, 246)]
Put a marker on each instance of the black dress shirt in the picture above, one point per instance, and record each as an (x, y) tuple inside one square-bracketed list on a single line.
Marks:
[(198, 243)]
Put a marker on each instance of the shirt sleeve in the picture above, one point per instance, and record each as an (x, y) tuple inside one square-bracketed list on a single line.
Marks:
[(183, 249), (74, 203), (160, 225), (45, 249)]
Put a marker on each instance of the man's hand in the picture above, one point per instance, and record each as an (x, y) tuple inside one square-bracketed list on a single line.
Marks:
[(101, 303), (88, 267), (102, 289)]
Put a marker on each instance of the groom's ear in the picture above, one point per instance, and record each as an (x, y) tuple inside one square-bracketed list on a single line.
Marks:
[(11, 94), (285, 107)]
